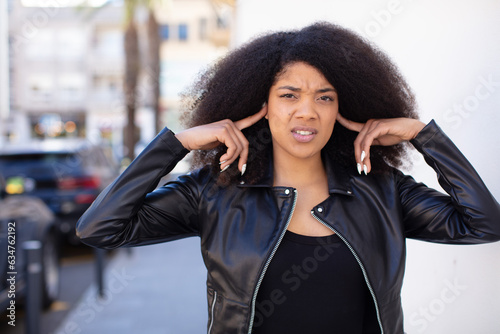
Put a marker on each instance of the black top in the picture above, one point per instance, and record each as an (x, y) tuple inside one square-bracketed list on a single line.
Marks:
[(314, 285)]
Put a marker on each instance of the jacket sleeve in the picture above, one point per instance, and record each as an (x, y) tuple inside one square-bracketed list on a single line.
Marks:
[(468, 214), (127, 213)]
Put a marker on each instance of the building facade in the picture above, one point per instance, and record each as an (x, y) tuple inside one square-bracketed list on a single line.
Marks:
[(67, 62)]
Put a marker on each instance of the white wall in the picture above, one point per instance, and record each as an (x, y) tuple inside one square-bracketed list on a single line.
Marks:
[(449, 51)]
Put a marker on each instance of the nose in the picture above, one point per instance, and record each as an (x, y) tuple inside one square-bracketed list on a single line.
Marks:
[(306, 109)]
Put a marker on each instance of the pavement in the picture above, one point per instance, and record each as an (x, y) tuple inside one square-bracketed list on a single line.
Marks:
[(157, 289)]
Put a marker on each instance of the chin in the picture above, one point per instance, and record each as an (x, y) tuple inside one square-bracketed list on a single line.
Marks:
[(305, 154)]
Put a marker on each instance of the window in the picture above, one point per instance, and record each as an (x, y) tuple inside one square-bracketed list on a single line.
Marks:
[(221, 23), (109, 42), (164, 32), (183, 32), (224, 19), (71, 86), (40, 87), (42, 45), (70, 44), (203, 29)]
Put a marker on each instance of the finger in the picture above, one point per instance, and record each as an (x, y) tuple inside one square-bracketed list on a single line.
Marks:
[(362, 148), (251, 120), (358, 142), (375, 129), (229, 138), (242, 124), (244, 151), (351, 125), (239, 149), (361, 154)]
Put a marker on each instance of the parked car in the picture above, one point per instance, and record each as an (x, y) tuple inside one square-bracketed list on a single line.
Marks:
[(25, 218), (66, 175)]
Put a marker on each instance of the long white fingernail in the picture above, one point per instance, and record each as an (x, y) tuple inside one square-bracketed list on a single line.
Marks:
[(363, 155), (225, 168), (220, 163), (359, 168), (243, 169), (365, 169)]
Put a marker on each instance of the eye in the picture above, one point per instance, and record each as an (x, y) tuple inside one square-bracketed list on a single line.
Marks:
[(326, 98), (288, 96)]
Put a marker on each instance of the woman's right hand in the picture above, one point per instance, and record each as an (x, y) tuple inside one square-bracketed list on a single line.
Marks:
[(227, 132)]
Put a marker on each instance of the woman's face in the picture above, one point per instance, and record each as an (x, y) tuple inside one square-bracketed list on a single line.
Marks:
[(302, 109)]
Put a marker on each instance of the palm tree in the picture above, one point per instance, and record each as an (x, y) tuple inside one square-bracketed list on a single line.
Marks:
[(133, 65), (131, 77), (154, 41)]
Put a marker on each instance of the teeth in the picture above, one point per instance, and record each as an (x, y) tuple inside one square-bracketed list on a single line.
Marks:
[(304, 133)]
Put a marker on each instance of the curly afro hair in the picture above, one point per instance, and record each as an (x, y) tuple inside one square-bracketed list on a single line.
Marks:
[(368, 84)]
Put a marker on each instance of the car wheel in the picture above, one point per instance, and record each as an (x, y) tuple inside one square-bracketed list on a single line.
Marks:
[(50, 270)]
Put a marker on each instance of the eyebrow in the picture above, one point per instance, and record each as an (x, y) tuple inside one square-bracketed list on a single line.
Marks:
[(322, 90)]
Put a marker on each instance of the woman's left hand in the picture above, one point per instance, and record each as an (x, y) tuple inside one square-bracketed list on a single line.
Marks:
[(385, 132)]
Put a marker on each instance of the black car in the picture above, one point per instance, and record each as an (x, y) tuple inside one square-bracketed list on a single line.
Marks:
[(66, 175), (25, 218)]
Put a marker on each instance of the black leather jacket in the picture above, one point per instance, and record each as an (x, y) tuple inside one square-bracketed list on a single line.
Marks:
[(241, 226)]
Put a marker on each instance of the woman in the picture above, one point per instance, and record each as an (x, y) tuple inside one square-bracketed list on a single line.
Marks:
[(301, 211)]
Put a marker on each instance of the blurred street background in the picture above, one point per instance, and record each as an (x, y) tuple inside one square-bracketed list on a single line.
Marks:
[(86, 84)]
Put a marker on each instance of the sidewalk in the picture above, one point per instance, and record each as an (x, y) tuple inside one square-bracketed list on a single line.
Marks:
[(152, 289)]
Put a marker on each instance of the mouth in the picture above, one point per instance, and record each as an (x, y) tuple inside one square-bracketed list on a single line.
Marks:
[(304, 135)]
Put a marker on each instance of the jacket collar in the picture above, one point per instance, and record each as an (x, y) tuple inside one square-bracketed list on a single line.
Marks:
[(339, 178)]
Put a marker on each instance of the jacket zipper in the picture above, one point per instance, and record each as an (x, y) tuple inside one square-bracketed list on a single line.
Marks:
[(360, 265), (259, 282), (212, 312)]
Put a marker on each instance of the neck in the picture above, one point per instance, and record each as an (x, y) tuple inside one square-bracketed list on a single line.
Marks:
[(298, 172)]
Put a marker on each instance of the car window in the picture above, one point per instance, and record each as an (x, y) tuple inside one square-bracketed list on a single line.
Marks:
[(38, 165)]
